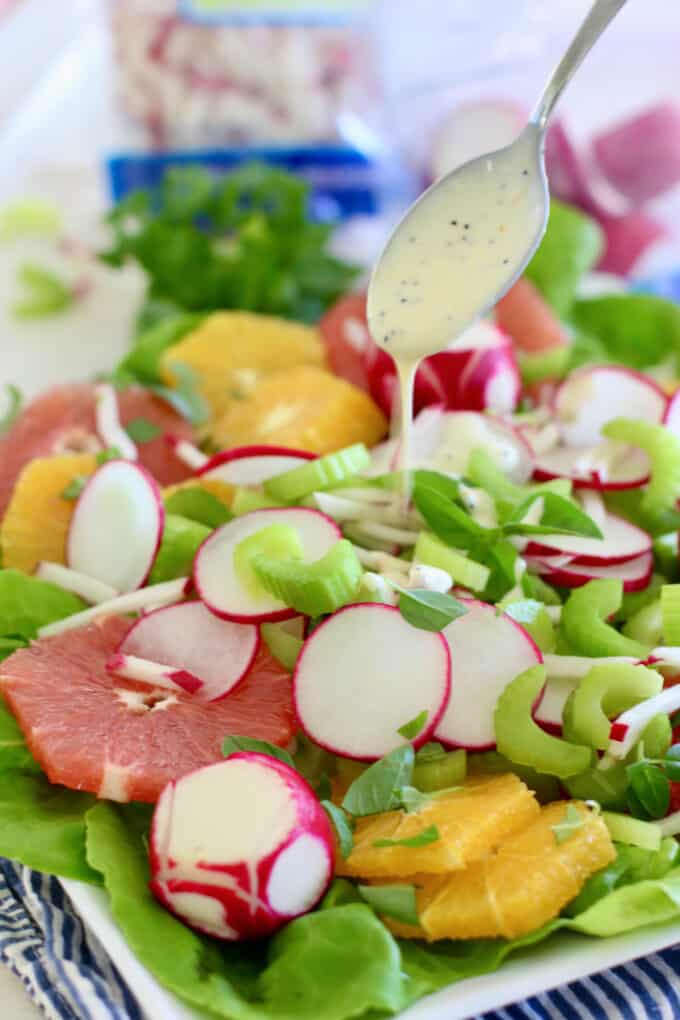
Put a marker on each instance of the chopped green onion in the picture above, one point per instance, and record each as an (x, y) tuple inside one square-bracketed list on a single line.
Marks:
[(318, 474), (605, 692), (570, 824), (584, 623), (663, 449), (670, 613), (310, 588), (432, 552), (520, 739), (275, 542)]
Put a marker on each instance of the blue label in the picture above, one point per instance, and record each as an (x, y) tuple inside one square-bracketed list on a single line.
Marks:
[(343, 181)]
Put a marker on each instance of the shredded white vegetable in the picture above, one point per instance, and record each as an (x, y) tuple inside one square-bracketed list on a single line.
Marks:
[(109, 427), (88, 588), (133, 602)]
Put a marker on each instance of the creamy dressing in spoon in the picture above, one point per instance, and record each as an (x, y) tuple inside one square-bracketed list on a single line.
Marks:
[(456, 251)]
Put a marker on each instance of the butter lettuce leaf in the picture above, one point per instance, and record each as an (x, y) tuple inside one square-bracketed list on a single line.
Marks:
[(638, 330), (571, 246), (27, 603)]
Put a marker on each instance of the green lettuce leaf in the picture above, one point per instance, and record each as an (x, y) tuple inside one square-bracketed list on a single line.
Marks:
[(14, 754), (639, 330), (26, 603), (143, 361), (571, 246), (179, 545)]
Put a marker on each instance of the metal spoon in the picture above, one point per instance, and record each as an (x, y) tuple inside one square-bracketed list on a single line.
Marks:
[(438, 273)]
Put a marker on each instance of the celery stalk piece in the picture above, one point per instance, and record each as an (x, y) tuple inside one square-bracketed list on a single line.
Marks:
[(605, 692), (584, 621)]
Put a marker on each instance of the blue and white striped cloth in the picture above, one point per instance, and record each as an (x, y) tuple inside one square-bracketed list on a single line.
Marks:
[(66, 970)]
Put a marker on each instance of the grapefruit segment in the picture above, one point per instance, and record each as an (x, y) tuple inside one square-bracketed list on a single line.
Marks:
[(120, 739)]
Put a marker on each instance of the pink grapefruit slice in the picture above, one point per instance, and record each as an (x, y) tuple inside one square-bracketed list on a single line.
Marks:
[(121, 739)]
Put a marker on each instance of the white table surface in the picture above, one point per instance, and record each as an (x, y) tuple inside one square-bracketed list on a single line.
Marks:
[(14, 1002)]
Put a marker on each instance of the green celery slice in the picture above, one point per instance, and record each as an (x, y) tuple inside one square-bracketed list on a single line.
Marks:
[(624, 829), (438, 771), (663, 449), (609, 689), (584, 623), (245, 500), (646, 625), (276, 542), (312, 588), (318, 474), (284, 646), (432, 552), (670, 614)]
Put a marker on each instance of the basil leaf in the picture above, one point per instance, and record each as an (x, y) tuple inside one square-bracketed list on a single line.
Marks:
[(141, 430), (110, 453), (428, 610), (14, 402), (649, 789), (559, 516), (424, 838), (443, 484), (323, 788), (396, 901), (376, 789), (671, 763), (234, 743), (184, 396), (571, 823), (412, 728), (412, 799), (432, 751), (447, 520), (74, 488), (342, 825)]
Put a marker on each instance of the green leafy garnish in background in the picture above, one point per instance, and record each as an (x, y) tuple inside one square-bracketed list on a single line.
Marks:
[(141, 430), (242, 241), (235, 744), (45, 293), (571, 246), (14, 402)]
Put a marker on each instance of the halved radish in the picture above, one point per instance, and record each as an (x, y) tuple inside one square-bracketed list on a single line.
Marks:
[(217, 581), (443, 441), (488, 650), (240, 848), (365, 673), (252, 465), (117, 526), (187, 637), (591, 397), (621, 541), (635, 574)]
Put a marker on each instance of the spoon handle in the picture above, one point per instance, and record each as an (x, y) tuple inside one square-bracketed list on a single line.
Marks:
[(601, 13)]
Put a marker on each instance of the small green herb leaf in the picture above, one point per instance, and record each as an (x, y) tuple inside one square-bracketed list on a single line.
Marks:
[(141, 430), (396, 901), (570, 824), (376, 789), (45, 293), (342, 825), (184, 396), (671, 763), (424, 838), (649, 789), (449, 522), (74, 488), (558, 516), (110, 453), (198, 505), (412, 728), (235, 743), (14, 402), (428, 610)]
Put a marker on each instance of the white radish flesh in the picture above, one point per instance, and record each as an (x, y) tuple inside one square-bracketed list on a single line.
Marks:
[(240, 848), (548, 714), (604, 466), (365, 673), (117, 526), (621, 541), (591, 397), (488, 650), (627, 729), (189, 638), (215, 576), (635, 574), (109, 428), (154, 673), (252, 465), (88, 588), (133, 602)]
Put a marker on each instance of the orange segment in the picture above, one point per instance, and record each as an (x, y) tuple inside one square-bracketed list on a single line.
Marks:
[(230, 352), (304, 408), (522, 886), (37, 520), (471, 822)]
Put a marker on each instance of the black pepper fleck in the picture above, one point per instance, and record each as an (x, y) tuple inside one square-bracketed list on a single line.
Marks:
[(506, 261), (454, 223), (466, 226), (525, 173)]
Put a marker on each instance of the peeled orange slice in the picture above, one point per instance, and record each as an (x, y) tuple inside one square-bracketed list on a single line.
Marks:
[(230, 352), (471, 822), (305, 408), (37, 519)]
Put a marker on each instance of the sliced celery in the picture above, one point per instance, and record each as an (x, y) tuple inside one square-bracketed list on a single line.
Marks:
[(663, 449), (285, 647), (670, 614), (584, 623), (312, 588), (437, 771), (534, 587), (432, 552), (657, 736), (646, 626), (246, 500), (633, 601), (482, 470), (535, 619), (550, 364), (521, 740), (181, 540), (665, 549), (318, 474), (606, 691), (277, 541), (624, 829)]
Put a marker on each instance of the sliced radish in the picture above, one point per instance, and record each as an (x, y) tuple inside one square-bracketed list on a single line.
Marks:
[(241, 847), (672, 417), (488, 650), (472, 129), (621, 541), (188, 638), (627, 238), (607, 466), (443, 441), (550, 709), (117, 526), (365, 673), (134, 602), (635, 574), (627, 729), (187, 452), (252, 465), (215, 576), (591, 397), (87, 587), (566, 169), (654, 132), (108, 424), (155, 673)]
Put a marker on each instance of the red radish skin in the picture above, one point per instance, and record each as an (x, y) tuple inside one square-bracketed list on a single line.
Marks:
[(563, 462), (621, 542), (215, 578), (353, 685), (529, 320), (189, 638), (635, 574), (117, 526), (252, 465), (627, 238), (654, 132), (672, 417), (488, 650), (240, 848), (565, 167)]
